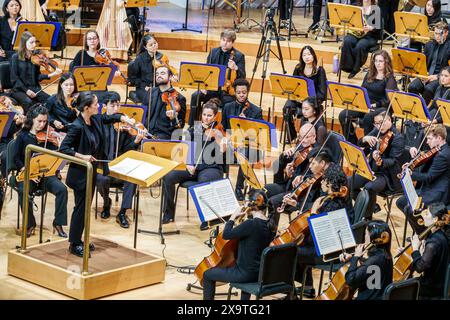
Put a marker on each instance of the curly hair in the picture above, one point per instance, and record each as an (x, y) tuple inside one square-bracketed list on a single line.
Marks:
[(33, 113), (335, 177)]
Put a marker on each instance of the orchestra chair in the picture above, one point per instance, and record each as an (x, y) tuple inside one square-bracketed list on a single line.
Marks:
[(131, 95), (402, 290), (446, 295), (358, 228), (11, 181), (276, 273)]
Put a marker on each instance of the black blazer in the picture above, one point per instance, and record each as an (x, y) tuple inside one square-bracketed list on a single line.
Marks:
[(126, 141), (25, 75), (235, 109), (320, 82), (434, 177), (239, 59), (58, 110), (443, 56), (80, 139), (140, 71)]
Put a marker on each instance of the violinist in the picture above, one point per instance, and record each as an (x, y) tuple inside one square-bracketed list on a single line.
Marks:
[(164, 119), (85, 140), (87, 57), (11, 11), (385, 159), (431, 256), (25, 75), (433, 175), (361, 270), (36, 121), (61, 113), (253, 236), (117, 143), (208, 159), (333, 196), (242, 108), (225, 55)]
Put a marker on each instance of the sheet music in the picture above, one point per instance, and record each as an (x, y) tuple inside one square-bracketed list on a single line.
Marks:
[(410, 190), (137, 169), (339, 221)]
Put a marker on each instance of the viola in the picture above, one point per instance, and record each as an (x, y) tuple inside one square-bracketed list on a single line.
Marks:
[(230, 77), (383, 144), (133, 129), (103, 57), (172, 103), (40, 58), (214, 130), (424, 157), (50, 135), (301, 156)]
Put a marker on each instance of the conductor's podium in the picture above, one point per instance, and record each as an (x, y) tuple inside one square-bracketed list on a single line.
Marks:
[(113, 268)]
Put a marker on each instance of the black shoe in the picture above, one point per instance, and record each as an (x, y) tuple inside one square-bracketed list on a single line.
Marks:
[(30, 231), (351, 75), (313, 27), (239, 195), (105, 214), (59, 229), (121, 219), (167, 219), (91, 246), (377, 208), (204, 226), (77, 250), (309, 293)]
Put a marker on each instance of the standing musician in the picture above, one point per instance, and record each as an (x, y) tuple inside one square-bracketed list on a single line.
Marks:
[(253, 236), (386, 145), (431, 256), (61, 113), (334, 196), (433, 175), (25, 75), (437, 52), (243, 108), (168, 107), (225, 55), (356, 44), (35, 123), (359, 273), (208, 167), (141, 70), (87, 57), (117, 143), (11, 11), (85, 140)]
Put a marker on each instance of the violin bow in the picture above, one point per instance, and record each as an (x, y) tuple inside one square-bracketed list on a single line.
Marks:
[(204, 145), (212, 210)]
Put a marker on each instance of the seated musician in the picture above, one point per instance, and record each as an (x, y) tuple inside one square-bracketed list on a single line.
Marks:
[(433, 13), (333, 196), (356, 44), (60, 111), (386, 165), (36, 122), (437, 52), (242, 108), (431, 255), (433, 175), (308, 67), (253, 236), (360, 272), (140, 71), (25, 76), (87, 57), (209, 160), (115, 145), (11, 13), (225, 55), (164, 122), (379, 78)]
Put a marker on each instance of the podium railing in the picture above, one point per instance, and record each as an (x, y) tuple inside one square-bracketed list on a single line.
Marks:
[(26, 194)]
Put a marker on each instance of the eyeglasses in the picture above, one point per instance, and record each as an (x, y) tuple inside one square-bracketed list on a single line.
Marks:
[(91, 39)]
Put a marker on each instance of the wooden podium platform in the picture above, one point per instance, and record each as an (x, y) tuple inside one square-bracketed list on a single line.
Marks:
[(112, 268)]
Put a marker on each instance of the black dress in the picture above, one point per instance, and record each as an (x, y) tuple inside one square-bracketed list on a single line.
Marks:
[(6, 38)]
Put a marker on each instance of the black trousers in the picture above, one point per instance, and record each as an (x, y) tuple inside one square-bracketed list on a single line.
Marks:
[(103, 184), (426, 90), (232, 274), (403, 205), (26, 102), (54, 186), (141, 94), (373, 187), (291, 110), (276, 193), (195, 113), (179, 176), (365, 120), (284, 6), (354, 52), (387, 9), (306, 256)]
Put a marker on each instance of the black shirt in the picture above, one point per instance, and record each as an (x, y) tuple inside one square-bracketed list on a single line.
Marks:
[(235, 109), (254, 236), (140, 71), (6, 37), (25, 75), (87, 60), (58, 110), (23, 139), (211, 157), (320, 82), (377, 90)]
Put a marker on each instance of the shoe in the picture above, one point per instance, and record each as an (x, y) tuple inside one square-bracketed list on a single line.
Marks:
[(91, 246), (121, 219), (167, 219), (352, 74), (313, 27), (239, 195), (76, 249), (377, 208), (309, 293), (105, 214), (30, 231), (59, 229), (204, 226)]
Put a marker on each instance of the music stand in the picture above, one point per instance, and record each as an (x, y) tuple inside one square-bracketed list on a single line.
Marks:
[(93, 78), (46, 33), (185, 24), (288, 87), (357, 161), (411, 25), (349, 97), (444, 110), (410, 64), (6, 118), (141, 4), (201, 76), (248, 172), (408, 106)]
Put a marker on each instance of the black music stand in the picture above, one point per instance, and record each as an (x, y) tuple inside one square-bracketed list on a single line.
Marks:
[(185, 24)]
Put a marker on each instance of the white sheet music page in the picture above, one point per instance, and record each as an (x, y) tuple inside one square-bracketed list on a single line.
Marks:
[(339, 221), (410, 190), (325, 239), (137, 169)]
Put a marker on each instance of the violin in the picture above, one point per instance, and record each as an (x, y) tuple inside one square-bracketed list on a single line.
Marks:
[(301, 156), (50, 135), (40, 58), (245, 107), (172, 104), (133, 129), (230, 77), (103, 57), (214, 130), (423, 157), (383, 144)]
